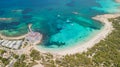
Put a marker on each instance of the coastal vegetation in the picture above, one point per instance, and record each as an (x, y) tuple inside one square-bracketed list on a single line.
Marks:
[(15, 56), (59, 24), (20, 62), (28, 60), (106, 53), (35, 55), (3, 60), (2, 51)]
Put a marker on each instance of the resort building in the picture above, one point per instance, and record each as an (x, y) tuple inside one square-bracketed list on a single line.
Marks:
[(15, 44), (1, 41), (18, 44), (12, 44), (5, 41), (8, 43)]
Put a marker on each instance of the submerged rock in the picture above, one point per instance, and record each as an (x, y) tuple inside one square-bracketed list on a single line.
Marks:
[(27, 16), (2, 12), (8, 26), (27, 10), (71, 4)]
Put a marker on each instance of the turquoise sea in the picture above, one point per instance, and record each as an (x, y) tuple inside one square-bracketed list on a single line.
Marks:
[(62, 22)]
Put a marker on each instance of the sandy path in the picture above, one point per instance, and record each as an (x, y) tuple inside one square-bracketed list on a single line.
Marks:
[(12, 38)]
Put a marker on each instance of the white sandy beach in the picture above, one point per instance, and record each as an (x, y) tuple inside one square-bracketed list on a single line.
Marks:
[(13, 38), (100, 36), (118, 1)]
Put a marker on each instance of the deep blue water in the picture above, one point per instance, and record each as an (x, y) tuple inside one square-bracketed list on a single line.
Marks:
[(55, 19)]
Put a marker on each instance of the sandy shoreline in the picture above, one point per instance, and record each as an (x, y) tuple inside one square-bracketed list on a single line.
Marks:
[(83, 47), (13, 38), (117, 1), (79, 48)]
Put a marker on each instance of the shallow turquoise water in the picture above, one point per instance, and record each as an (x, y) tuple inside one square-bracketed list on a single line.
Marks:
[(56, 20)]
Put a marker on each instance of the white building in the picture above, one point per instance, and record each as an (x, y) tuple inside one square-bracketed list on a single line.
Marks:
[(5, 41), (17, 45), (12, 44)]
